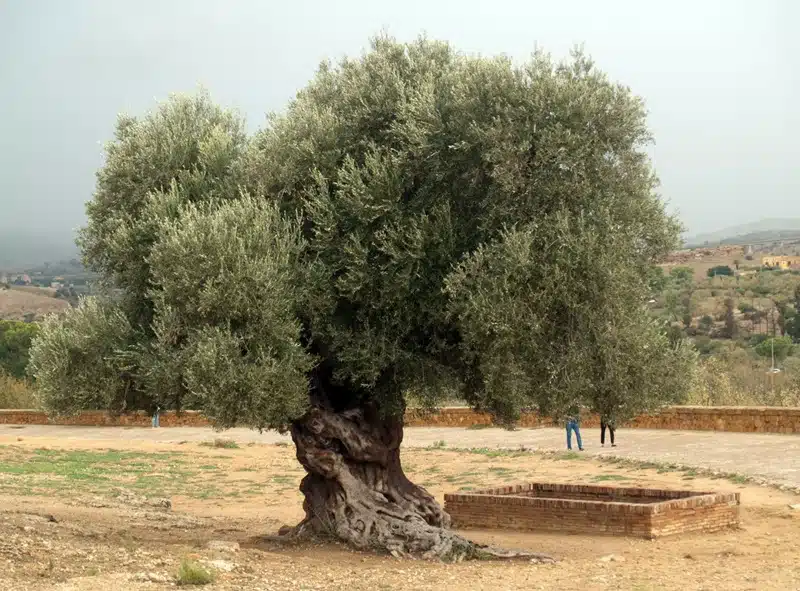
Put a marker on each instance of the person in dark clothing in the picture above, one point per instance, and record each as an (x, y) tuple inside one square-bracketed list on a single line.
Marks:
[(607, 423)]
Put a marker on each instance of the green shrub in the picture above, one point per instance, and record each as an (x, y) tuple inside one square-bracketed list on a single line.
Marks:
[(706, 323), (15, 344), (706, 345), (193, 573), (781, 346)]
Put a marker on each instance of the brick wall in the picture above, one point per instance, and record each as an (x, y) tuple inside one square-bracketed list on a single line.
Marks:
[(535, 507), (704, 418), (103, 419), (744, 419)]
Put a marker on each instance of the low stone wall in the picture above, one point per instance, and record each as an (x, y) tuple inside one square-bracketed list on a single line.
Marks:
[(98, 418), (702, 418), (743, 419), (569, 508)]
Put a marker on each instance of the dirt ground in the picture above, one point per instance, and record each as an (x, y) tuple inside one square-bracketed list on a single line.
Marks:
[(76, 516)]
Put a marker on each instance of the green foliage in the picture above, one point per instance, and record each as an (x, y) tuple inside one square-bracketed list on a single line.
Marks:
[(782, 347), (15, 343), (706, 323), (720, 270), (193, 573), (80, 360), (226, 336), (705, 345), (681, 277), (731, 328), (792, 325), (656, 279), (186, 149), (417, 220)]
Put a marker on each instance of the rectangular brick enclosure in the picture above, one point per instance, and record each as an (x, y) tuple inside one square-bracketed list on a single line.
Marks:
[(573, 508)]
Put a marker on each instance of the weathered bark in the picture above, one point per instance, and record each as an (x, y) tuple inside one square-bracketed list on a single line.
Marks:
[(356, 491)]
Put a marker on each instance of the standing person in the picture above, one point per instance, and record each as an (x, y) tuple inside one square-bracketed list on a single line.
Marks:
[(155, 417), (606, 422), (574, 424)]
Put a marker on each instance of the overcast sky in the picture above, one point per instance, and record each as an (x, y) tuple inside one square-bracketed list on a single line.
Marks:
[(721, 80)]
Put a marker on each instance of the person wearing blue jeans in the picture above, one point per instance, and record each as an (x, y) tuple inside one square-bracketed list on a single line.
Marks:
[(573, 424)]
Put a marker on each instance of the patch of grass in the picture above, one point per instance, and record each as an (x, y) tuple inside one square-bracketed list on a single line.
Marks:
[(476, 427), (690, 472), (490, 453), (193, 573), (207, 492), (59, 472), (221, 443), (501, 471), (439, 444), (283, 479), (608, 477)]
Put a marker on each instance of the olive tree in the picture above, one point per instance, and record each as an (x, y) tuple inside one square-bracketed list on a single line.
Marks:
[(417, 220)]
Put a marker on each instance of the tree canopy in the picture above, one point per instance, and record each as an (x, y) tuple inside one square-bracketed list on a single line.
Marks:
[(416, 220)]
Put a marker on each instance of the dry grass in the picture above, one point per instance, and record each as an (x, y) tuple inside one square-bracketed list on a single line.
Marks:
[(15, 303), (15, 393), (35, 290), (735, 378), (221, 443)]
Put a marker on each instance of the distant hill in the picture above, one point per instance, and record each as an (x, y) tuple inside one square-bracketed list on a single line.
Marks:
[(15, 304), (767, 229), (21, 248)]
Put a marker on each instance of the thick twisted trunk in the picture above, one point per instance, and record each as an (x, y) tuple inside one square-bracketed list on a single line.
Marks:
[(356, 490)]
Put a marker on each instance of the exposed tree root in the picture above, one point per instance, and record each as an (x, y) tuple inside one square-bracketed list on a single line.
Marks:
[(356, 492)]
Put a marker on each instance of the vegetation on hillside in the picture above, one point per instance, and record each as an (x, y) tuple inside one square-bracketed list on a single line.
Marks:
[(740, 325)]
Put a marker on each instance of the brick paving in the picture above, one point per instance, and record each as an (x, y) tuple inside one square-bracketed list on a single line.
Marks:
[(774, 457)]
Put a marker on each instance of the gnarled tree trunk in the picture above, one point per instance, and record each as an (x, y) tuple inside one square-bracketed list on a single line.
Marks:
[(356, 490)]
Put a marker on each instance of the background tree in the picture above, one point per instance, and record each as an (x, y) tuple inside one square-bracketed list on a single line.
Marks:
[(682, 277), (656, 280), (15, 342), (731, 327), (781, 347), (417, 220)]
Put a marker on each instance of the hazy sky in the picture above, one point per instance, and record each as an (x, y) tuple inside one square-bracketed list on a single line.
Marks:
[(721, 80)]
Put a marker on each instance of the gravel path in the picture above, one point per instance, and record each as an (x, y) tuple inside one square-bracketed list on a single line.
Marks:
[(776, 457)]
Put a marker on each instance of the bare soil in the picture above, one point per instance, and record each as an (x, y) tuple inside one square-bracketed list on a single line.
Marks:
[(75, 515)]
